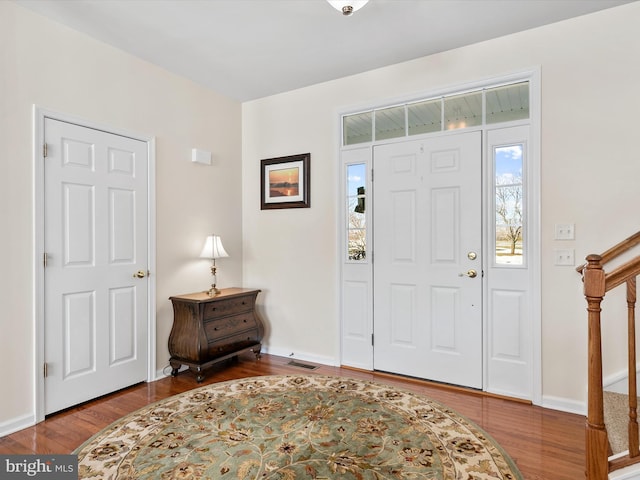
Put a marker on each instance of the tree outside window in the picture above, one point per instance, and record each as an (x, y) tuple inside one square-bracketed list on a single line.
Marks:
[(356, 218), (509, 204)]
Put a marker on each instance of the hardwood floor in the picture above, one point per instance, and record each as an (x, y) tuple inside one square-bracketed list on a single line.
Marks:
[(545, 444)]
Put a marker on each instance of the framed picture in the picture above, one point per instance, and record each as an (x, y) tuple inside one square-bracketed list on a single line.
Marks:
[(284, 182)]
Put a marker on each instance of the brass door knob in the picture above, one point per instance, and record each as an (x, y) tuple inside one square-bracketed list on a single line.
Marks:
[(140, 274), (470, 273)]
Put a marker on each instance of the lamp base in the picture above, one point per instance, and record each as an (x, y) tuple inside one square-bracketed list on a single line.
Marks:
[(213, 291)]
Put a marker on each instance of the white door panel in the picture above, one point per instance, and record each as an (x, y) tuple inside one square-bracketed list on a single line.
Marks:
[(427, 219), (95, 239), (356, 308), (511, 336)]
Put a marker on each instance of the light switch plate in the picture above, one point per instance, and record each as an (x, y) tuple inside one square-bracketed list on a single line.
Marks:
[(563, 256), (565, 231)]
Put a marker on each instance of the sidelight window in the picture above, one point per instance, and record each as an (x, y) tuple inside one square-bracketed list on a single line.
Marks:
[(355, 215), (509, 205)]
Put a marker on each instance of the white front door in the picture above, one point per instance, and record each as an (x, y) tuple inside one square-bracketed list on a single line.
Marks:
[(95, 302), (427, 224)]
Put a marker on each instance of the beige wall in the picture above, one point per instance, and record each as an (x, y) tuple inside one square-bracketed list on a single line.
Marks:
[(46, 64), (589, 74)]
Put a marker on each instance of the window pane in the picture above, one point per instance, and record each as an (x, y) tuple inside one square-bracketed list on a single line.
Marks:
[(509, 204), (425, 117), (507, 103), (462, 111), (356, 217), (357, 128), (390, 123)]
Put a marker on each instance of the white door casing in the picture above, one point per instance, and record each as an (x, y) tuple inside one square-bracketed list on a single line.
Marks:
[(93, 324), (427, 221)]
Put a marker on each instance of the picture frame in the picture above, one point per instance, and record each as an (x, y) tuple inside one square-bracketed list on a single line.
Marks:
[(285, 182)]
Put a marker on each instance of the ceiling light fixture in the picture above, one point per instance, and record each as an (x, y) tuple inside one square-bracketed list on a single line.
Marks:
[(347, 7)]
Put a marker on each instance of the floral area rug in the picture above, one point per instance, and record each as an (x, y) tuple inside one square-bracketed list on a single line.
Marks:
[(294, 427)]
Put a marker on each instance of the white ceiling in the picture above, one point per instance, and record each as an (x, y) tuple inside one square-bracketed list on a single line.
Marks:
[(248, 49)]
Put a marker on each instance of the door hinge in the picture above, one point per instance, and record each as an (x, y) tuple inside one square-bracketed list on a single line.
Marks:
[(45, 370), (372, 339), (44, 150), (45, 259), (372, 174)]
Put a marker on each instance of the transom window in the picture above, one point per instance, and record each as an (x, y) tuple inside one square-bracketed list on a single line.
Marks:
[(499, 104)]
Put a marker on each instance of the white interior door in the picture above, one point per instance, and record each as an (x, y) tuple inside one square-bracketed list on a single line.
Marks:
[(95, 304), (427, 245)]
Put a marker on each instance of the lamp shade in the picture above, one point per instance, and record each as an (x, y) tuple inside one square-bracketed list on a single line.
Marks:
[(213, 248)]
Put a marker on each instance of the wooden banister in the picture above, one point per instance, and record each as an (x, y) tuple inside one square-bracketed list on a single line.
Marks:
[(596, 284), (620, 275), (622, 247)]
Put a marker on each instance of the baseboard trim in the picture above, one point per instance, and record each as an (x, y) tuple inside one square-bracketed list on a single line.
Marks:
[(564, 405), (553, 403), (629, 473), (17, 424), (619, 382), (306, 357), (166, 372)]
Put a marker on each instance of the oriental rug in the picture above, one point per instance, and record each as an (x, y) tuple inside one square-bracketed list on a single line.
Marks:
[(294, 427)]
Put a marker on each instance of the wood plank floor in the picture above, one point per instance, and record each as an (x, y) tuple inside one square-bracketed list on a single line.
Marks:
[(545, 444)]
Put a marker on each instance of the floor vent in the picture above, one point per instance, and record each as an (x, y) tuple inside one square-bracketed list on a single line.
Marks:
[(293, 363)]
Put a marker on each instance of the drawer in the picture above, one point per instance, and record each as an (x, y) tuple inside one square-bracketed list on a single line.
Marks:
[(235, 342), (226, 326), (227, 307)]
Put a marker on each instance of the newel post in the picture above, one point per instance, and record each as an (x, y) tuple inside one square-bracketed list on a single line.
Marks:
[(596, 434)]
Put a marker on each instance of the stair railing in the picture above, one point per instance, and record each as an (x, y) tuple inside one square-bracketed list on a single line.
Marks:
[(596, 283)]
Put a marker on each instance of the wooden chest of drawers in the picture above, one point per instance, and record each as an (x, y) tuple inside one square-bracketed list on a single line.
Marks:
[(208, 329)]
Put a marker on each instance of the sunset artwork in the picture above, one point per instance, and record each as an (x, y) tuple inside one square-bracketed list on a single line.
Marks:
[(284, 182)]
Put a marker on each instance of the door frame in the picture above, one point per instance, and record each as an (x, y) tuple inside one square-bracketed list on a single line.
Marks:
[(39, 116), (361, 338)]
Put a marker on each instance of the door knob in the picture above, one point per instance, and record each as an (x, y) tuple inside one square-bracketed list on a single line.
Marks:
[(140, 274), (470, 273)]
